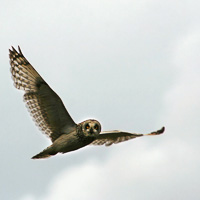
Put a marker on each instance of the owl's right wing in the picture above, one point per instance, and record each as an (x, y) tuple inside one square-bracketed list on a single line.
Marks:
[(113, 137), (44, 104)]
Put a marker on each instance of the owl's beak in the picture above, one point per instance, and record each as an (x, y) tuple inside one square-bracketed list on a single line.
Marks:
[(91, 131)]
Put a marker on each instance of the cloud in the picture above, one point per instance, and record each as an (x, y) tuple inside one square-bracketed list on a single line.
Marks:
[(182, 101), (145, 173), (112, 179)]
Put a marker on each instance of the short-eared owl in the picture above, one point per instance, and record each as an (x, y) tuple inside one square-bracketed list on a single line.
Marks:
[(50, 114)]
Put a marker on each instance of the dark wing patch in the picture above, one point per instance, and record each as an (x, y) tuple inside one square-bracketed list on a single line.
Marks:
[(44, 104)]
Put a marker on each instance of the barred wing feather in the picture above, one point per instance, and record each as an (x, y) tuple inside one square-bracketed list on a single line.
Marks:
[(45, 106), (113, 137)]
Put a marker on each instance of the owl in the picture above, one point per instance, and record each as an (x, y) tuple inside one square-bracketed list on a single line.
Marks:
[(50, 114)]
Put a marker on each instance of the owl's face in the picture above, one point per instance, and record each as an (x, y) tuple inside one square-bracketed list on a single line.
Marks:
[(91, 128)]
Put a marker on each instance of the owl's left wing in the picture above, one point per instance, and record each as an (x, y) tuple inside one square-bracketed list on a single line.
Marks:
[(113, 137)]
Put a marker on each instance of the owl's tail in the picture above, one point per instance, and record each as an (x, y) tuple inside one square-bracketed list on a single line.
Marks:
[(41, 155), (46, 153)]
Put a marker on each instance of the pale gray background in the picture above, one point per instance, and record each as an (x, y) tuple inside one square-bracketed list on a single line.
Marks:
[(134, 66)]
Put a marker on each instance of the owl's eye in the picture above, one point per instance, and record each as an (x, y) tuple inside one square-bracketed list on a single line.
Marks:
[(87, 126), (96, 127)]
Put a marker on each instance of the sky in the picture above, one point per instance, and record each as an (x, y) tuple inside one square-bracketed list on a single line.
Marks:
[(133, 66)]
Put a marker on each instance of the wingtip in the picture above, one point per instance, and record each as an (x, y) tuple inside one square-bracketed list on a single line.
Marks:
[(158, 132), (20, 51), (12, 49), (161, 130)]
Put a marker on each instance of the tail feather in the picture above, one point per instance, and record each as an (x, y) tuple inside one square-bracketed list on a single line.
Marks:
[(41, 155), (46, 153)]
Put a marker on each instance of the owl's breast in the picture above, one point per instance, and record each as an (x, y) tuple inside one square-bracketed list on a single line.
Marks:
[(70, 142)]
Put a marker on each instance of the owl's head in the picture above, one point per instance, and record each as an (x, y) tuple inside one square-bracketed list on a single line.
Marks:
[(91, 127)]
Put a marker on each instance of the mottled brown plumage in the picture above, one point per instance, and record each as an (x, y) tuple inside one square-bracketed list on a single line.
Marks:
[(50, 114)]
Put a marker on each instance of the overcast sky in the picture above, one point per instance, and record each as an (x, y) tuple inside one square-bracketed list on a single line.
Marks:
[(133, 66)]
